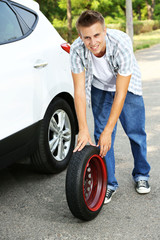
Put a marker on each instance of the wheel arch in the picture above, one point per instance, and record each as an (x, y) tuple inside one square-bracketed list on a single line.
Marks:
[(69, 99)]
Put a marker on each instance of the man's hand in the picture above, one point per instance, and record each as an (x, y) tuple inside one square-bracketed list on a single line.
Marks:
[(83, 139), (104, 143)]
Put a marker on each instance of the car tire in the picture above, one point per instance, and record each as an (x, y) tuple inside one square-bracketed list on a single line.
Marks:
[(86, 183), (56, 139)]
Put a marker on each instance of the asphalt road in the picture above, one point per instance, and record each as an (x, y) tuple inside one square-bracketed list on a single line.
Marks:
[(33, 206)]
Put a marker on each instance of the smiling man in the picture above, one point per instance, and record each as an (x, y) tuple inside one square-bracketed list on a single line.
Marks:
[(105, 73)]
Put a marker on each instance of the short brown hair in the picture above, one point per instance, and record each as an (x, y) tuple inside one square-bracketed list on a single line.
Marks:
[(88, 18)]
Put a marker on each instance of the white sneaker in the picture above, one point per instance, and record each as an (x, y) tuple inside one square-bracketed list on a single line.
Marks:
[(142, 187), (109, 195)]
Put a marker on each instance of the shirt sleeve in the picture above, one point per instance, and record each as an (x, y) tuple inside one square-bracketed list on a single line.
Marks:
[(125, 57), (76, 61)]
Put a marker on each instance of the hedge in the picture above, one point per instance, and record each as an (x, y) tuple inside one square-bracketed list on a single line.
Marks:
[(139, 27)]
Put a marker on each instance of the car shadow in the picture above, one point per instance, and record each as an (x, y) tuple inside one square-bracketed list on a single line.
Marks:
[(29, 193)]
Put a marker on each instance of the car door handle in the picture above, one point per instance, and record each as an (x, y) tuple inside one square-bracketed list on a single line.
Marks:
[(40, 64)]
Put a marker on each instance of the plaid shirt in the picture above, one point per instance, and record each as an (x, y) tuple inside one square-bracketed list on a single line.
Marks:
[(119, 54)]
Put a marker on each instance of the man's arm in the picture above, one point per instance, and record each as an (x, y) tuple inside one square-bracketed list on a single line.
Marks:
[(122, 84), (80, 105)]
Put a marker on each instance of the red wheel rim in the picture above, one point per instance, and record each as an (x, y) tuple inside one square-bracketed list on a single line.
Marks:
[(94, 182)]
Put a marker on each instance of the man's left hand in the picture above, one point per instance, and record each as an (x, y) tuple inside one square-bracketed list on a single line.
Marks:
[(104, 143)]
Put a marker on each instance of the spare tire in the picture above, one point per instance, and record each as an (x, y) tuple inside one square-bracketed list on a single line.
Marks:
[(86, 183)]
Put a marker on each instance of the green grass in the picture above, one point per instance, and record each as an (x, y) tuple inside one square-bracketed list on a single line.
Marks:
[(146, 40)]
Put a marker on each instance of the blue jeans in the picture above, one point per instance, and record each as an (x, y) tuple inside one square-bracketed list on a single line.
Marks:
[(132, 119)]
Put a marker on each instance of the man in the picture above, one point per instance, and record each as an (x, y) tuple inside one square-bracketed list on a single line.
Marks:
[(104, 67)]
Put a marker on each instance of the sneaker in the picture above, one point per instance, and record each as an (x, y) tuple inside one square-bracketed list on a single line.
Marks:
[(142, 186), (109, 195)]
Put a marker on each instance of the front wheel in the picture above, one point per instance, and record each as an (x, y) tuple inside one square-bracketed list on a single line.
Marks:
[(86, 183), (56, 138)]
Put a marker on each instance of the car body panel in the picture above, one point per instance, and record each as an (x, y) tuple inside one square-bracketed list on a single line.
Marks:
[(25, 105), (34, 73)]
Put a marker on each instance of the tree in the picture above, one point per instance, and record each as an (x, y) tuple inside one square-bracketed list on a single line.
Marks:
[(157, 10), (138, 5), (50, 9), (69, 19), (58, 11), (109, 8), (129, 19), (150, 8)]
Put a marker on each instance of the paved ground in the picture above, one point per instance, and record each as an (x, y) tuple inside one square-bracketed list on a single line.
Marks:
[(34, 207)]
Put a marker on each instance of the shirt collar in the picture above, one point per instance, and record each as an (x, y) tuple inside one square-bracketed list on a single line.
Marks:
[(108, 47)]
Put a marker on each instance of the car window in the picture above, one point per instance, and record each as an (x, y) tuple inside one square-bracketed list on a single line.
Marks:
[(10, 29), (27, 16)]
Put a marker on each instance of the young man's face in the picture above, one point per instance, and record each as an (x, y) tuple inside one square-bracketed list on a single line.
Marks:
[(94, 38)]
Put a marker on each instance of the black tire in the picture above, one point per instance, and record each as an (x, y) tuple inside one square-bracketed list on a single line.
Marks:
[(86, 183), (56, 138)]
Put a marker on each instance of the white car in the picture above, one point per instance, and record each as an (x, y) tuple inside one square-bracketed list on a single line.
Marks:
[(37, 114)]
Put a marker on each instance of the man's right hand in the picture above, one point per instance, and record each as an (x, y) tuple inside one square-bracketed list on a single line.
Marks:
[(83, 139)]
